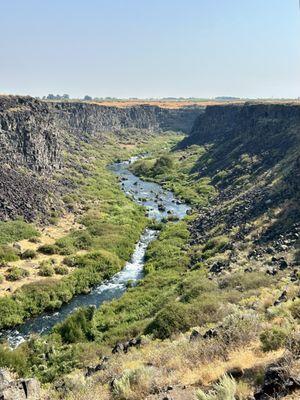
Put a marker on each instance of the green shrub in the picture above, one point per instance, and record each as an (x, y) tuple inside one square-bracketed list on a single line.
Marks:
[(46, 269), (28, 254), (8, 253), (61, 270), (16, 273), (295, 309), (215, 245), (195, 286), (11, 312), (12, 231), (249, 281), (77, 327), (133, 384), (1, 278), (240, 327), (14, 359), (274, 338), (170, 320), (78, 240), (48, 249), (60, 360), (162, 165)]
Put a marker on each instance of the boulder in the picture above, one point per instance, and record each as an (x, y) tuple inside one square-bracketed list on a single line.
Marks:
[(278, 383), (18, 389)]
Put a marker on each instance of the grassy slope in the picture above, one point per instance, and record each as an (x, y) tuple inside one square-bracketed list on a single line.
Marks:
[(174, 171)]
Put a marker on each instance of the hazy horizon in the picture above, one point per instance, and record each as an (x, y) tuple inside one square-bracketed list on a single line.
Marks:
[(134, 49)]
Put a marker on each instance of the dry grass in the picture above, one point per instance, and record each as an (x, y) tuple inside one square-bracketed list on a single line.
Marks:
[(49, 235), (158, 364), (293, 396)]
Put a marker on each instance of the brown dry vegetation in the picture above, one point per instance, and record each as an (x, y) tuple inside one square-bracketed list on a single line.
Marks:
[(48, 235)]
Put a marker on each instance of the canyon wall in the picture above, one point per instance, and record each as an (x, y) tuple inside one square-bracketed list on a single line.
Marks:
[(28, 134), (31, 131), (92, 118), (34, 133), (252, 156), (255, 126)]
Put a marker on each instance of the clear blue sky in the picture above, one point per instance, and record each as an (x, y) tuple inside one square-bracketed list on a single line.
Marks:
[(150, 48)]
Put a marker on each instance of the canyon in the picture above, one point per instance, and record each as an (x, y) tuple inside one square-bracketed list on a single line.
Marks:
[(219, 296)]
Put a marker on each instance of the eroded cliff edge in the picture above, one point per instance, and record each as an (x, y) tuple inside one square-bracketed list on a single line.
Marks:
[(253, 158), (34, 133)]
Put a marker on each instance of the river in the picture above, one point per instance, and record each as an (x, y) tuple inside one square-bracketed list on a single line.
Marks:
[(160, 204)]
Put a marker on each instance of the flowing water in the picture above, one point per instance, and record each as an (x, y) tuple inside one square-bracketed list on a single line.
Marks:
[(160, 204)]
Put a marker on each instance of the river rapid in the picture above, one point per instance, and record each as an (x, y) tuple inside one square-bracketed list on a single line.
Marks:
[(160, 204)]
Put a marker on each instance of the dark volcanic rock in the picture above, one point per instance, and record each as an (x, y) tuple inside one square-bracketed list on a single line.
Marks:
[(33, 134), (92, 118), (29, 134), (278, 383), (23, 194), (249, 144)]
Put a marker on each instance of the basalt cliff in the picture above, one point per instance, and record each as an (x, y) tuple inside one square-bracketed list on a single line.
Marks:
[(33, 135)]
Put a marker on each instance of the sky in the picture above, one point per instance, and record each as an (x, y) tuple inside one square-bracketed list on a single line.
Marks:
[(150, 48)]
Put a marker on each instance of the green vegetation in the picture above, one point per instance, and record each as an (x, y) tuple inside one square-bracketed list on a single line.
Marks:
[(34, 298), (129, 316), (61, 270), (295, 309), (8, 253), (16, 273), (274, 338), (46, 269), (172, 319), (112, 222), (214, 246), (175, 171), (77, 327), (12, 231), (28, 254), (48, 249)]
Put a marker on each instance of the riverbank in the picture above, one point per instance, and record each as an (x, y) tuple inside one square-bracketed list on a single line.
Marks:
[(111, 225), (149, 195)]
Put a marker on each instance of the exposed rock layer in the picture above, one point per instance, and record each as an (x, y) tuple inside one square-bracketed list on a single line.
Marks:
[(31, 130), (33, 134), (253, 158)]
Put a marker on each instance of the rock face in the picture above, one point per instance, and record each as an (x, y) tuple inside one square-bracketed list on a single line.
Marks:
[(28, 134), (93, 118), (20, 389), (32, 131), (255, 126), (33, 134), (252, 156)]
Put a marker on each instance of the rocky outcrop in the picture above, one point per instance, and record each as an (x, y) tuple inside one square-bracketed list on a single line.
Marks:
[(18, 389), (279, 381), (28, 134), (24, 193)]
